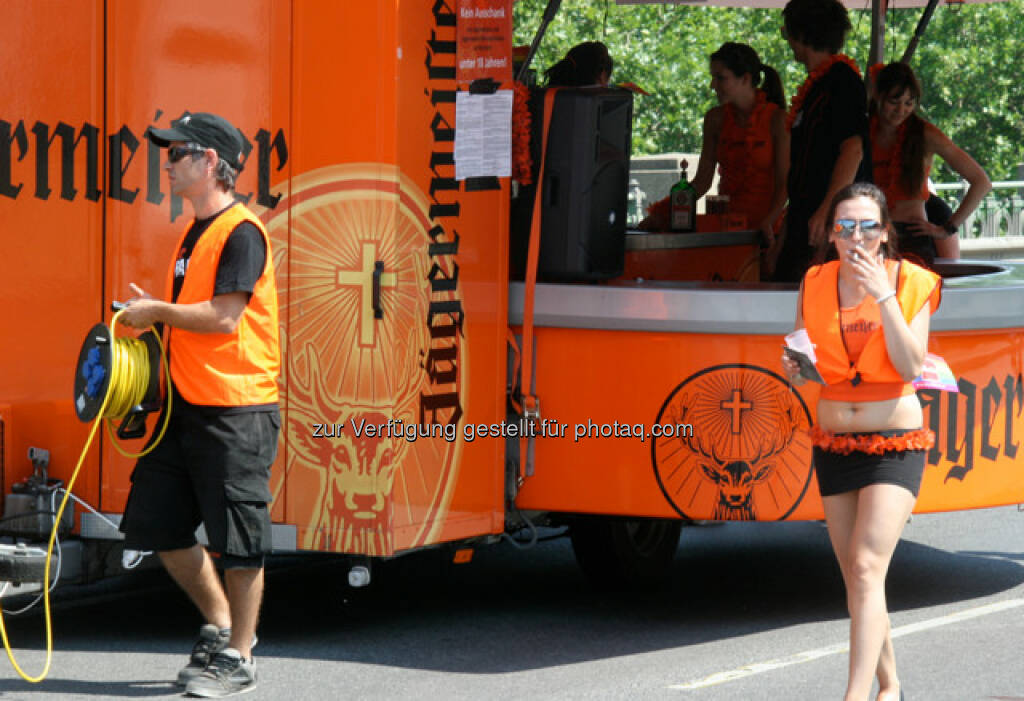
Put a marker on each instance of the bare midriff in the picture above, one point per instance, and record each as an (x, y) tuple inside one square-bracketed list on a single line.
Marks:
[(888, 414), (907, 210)]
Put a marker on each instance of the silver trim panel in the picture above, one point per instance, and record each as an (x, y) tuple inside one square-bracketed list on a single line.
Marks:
[(994, 301), (645, 241), (283, 536), (95, 527)]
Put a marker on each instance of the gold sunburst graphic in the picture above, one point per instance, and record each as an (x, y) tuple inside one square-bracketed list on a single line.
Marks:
[(353, 247)]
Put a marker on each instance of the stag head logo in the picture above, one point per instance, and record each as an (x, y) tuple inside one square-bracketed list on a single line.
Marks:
[(351, 240), (353, 511), (747, 456)]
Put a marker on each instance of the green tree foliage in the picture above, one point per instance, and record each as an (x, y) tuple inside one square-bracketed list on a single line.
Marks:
[(968, 63)]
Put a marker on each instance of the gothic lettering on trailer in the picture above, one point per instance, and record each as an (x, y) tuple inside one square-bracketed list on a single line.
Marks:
[(124, 181), (955, 419), (445, 314)]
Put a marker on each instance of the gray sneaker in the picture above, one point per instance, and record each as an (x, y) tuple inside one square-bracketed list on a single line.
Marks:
[(226, 675), (211, 641)]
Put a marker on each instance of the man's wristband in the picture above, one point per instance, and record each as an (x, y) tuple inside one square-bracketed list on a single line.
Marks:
[(951, 229), (887, 295)]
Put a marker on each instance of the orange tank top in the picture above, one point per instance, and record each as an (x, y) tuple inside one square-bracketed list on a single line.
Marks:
[(885, 167), (857, 324), (746, 158)]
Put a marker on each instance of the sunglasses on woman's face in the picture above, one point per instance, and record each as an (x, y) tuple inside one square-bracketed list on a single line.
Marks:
[(870, 228), (176, 153)]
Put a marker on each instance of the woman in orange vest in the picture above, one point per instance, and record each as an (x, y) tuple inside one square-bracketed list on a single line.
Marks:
[(746, 137), (867, 314), (902, 148)]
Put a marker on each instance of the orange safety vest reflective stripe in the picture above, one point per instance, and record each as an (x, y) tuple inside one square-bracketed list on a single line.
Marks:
[(915, 287), (239, 368)]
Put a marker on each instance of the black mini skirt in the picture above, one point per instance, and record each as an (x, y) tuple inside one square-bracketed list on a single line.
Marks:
[(838, 473)]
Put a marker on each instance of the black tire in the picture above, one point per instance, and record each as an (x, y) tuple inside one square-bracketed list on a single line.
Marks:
[(623, 553)]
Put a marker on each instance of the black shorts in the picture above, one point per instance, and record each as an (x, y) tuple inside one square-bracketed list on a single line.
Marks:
[(212, 469), (838, 473)]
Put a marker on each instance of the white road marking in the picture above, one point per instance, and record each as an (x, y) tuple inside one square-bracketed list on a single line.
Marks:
[(810, 655)]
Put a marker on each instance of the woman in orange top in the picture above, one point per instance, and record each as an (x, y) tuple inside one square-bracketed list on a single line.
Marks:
[(746, 136), (868, 316), (902, 148)]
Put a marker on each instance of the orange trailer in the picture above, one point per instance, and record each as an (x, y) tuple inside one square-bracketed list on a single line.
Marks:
[(661, 402)]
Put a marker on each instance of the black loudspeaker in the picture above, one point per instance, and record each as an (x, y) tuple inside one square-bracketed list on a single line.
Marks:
[(583, 190)]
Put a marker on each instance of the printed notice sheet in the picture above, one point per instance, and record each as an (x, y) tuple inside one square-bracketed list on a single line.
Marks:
[(483, 135)]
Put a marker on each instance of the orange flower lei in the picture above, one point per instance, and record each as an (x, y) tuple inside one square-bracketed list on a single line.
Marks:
[(798, 100), (762, 111), (660, 212), (896, 159), (522, 164), (659, 207), (874, 70), (871, 443)]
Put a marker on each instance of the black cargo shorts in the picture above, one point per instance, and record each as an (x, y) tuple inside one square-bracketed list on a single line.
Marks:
[(209, 468)]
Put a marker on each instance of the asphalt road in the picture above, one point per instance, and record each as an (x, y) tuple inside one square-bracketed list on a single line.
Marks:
[(753, 611)]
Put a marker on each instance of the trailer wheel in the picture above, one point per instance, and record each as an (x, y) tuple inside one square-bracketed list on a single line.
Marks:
[(618, 553)]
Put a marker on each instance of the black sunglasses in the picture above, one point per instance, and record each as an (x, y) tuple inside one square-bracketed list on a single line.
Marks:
[(870, 228), (176, 153)]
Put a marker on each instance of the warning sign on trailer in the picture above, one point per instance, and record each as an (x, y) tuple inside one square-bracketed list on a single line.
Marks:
[(484, 40)]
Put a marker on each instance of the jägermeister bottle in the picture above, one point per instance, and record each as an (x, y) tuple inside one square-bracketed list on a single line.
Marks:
[(683, 199)]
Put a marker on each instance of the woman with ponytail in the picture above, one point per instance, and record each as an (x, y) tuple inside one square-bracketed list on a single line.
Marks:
[(902, 148), (588, 63), (745, 135)]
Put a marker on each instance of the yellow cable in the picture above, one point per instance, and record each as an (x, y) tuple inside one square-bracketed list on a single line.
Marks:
[(130, 368), (128, 384)]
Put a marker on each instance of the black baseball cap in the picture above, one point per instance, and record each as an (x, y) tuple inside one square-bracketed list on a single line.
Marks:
[(207, 130)]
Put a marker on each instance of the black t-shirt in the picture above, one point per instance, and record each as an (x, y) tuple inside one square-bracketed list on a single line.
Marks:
[(241, 260), (834, 110), (241, 264)]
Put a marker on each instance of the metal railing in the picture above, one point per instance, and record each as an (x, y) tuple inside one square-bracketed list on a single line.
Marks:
[(999, 216), (998, 220)]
